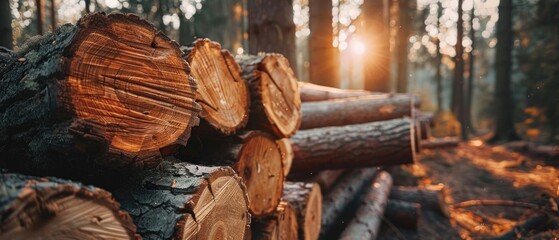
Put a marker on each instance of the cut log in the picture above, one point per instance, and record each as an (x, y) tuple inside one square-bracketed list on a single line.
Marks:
[(275, 103), (361, 145), (327, 178), (354, 110), (444, 142), (255, 156), (342, 195), (306, 198), (280, 225), (286, 150), (430, 197), (222, 92), (50, 208), (402, 213), (185, 201), (112, 90), (367, 221)]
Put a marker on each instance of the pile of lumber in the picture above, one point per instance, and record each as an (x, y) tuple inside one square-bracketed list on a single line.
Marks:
[(159, 141)]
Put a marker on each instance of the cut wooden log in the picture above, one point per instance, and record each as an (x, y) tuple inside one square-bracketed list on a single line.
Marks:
[(327, 178), (430, 197), (275, 103), (444, 142), (354, 110), (112, 90), (306, 198), (402, 213), (342, 195), (50, 208), (222, 92), (185, 201), (286, 151), (280, 225), (367, 221), (360, 145), (255, 156)]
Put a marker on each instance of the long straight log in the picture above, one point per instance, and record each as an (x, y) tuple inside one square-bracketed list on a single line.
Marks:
[(430, 197), (111, 91), (341, 196), (222, 92), (361, 145), (354, 110), (402, 213), (254, 155), (50, 208), (306, 198), (280, 225), (275, 102), (368, 218), (185, 201)]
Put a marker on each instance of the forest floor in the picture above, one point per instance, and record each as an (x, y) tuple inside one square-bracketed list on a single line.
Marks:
[(475, 171)]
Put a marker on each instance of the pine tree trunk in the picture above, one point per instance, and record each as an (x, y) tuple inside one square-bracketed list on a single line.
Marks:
[(111, 91), (361, 145), (50, 208), (323, 57), (6, 35), (354, 111), (439, 63), (306, 198), (405, 12), (222, 92), (280, 225), (275, 102), (376, 30)]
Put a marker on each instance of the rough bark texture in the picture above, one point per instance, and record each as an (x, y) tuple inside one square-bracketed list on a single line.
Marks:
[(255, 156), (185, 201), (402, 213), (50, 208), (286, 151), (222, 92), (327, 178), (323, 57), (111, 90), (360, 145), (306, 198), (342, 195), (275, 102), (430, 197), (354, 110), (280, 225), (271, 28), (368, 218)]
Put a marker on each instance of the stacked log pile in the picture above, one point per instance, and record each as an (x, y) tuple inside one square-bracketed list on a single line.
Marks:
[(189, 142)]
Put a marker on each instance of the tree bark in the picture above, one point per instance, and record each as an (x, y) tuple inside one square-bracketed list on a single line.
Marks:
[(342, 195), (402, 213), (306, 198), (367, 221), (222, 92), (254, 155), (458, 89), (271, 28), (275, 102), (6, 34), (51, 208), (185, 201), (286, 151), (430, 197), (354, 111), (439, 62), (405, 12), (280, 225), (376, 30), (327, 178), (361, 145), (111, 91), (323, 56)]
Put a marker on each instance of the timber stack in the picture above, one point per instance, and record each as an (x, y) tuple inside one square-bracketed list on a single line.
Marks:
[(191, 142)]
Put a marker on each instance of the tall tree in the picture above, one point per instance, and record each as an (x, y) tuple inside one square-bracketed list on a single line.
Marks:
[(470, 82), (6, 37), (458, 83), (504, 123), (323, 56), (438, 73), (406, 10), (271, 28), (40, 13), (376, 31)]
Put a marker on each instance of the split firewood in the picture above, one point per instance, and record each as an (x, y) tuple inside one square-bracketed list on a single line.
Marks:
[(275, 102), (368, 218), (430, 197), (112, 91), (306, 198), (444, 142), (286, 150), (360, 145), (402, 213), (50, 208), (222, 92), (354, 110), (341, 196), (280, 225), (254, 155), (327, 178), (185, 201)]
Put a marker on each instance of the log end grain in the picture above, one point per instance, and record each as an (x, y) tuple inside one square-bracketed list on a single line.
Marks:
[(286, 151), (281, 225), (306, 198)]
